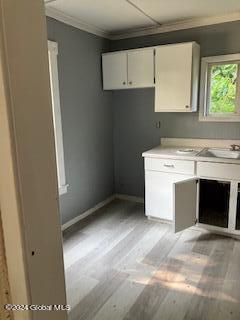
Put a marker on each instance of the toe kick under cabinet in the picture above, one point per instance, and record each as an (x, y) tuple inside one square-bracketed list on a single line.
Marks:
[(188, 192)]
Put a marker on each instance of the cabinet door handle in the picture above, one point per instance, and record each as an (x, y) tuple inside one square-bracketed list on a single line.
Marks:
[(187, 107), (130, 82), (124, 82), (169, 165)]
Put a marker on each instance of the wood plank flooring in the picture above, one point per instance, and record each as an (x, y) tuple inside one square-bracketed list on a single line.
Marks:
[(121, 266)]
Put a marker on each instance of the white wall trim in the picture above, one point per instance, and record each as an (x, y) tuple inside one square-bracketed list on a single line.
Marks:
[(63, 189), (129, 198), (198, 226), (99, 206), (77, 23), (57, 118), (87, 213), (166, 27), (175, 26), (204, 96), (53, 47)]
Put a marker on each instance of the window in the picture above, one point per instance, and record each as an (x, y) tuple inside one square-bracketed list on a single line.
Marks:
[(220, 88), (57, 120)]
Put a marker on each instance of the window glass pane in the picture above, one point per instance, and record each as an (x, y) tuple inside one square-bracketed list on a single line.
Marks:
[(223, 88)]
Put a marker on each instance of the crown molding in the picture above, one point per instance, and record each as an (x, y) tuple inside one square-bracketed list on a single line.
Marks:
[(77, 23), (175, 26), (167, 27)]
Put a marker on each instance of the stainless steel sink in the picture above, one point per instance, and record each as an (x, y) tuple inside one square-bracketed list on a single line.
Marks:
[(219, 153)]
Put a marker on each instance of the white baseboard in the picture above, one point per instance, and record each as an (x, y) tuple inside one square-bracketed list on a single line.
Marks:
[(87, 213), (163, 221), (98, 206), (129, 198)]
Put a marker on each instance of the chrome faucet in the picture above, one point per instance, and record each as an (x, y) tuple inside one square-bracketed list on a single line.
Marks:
[(235, 147)]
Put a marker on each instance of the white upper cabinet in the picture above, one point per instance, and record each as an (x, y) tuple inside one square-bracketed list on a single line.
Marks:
[(141, 68), (128, 69), (114, 67), (177, 76), (172, 69)]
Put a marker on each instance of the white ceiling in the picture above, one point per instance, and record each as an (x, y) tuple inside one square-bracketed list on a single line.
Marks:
[(107, 15), (116, 16), (166, 11)]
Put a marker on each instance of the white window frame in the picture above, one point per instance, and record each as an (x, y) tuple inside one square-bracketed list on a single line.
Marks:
[(204, 89), (57, 119)]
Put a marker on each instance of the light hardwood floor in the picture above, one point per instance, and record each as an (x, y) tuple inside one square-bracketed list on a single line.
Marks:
[(122, 266)]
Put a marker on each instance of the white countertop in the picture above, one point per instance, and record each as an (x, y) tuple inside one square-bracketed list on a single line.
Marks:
[(172, 152)]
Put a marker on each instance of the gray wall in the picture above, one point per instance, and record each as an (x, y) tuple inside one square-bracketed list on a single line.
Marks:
[(86, 118), (134, 116), (104, 133)]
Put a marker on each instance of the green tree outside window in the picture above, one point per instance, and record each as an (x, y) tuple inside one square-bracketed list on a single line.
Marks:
[(223, 88)]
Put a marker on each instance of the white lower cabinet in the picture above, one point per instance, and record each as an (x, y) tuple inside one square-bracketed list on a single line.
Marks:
[(172, 197), (174, 166), (159, 195), (218, 170), (213, 202)]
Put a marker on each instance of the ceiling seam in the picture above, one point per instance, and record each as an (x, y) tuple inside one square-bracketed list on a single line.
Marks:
[(143, 12)]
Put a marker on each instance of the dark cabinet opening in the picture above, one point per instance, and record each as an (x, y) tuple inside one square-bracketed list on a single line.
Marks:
[(238, 209), (214, 202)]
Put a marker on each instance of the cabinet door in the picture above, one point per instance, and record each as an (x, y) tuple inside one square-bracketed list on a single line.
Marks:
[(141, 68), (114, 67), (185, 204), (173, 74), (159, 193)]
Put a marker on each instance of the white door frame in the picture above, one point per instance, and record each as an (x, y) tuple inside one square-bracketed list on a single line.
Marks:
[(28, 175)]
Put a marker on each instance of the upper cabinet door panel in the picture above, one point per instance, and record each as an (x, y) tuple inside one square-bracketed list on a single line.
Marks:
[(173, 77), (174, 74), (114, 66), (141, 68)]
